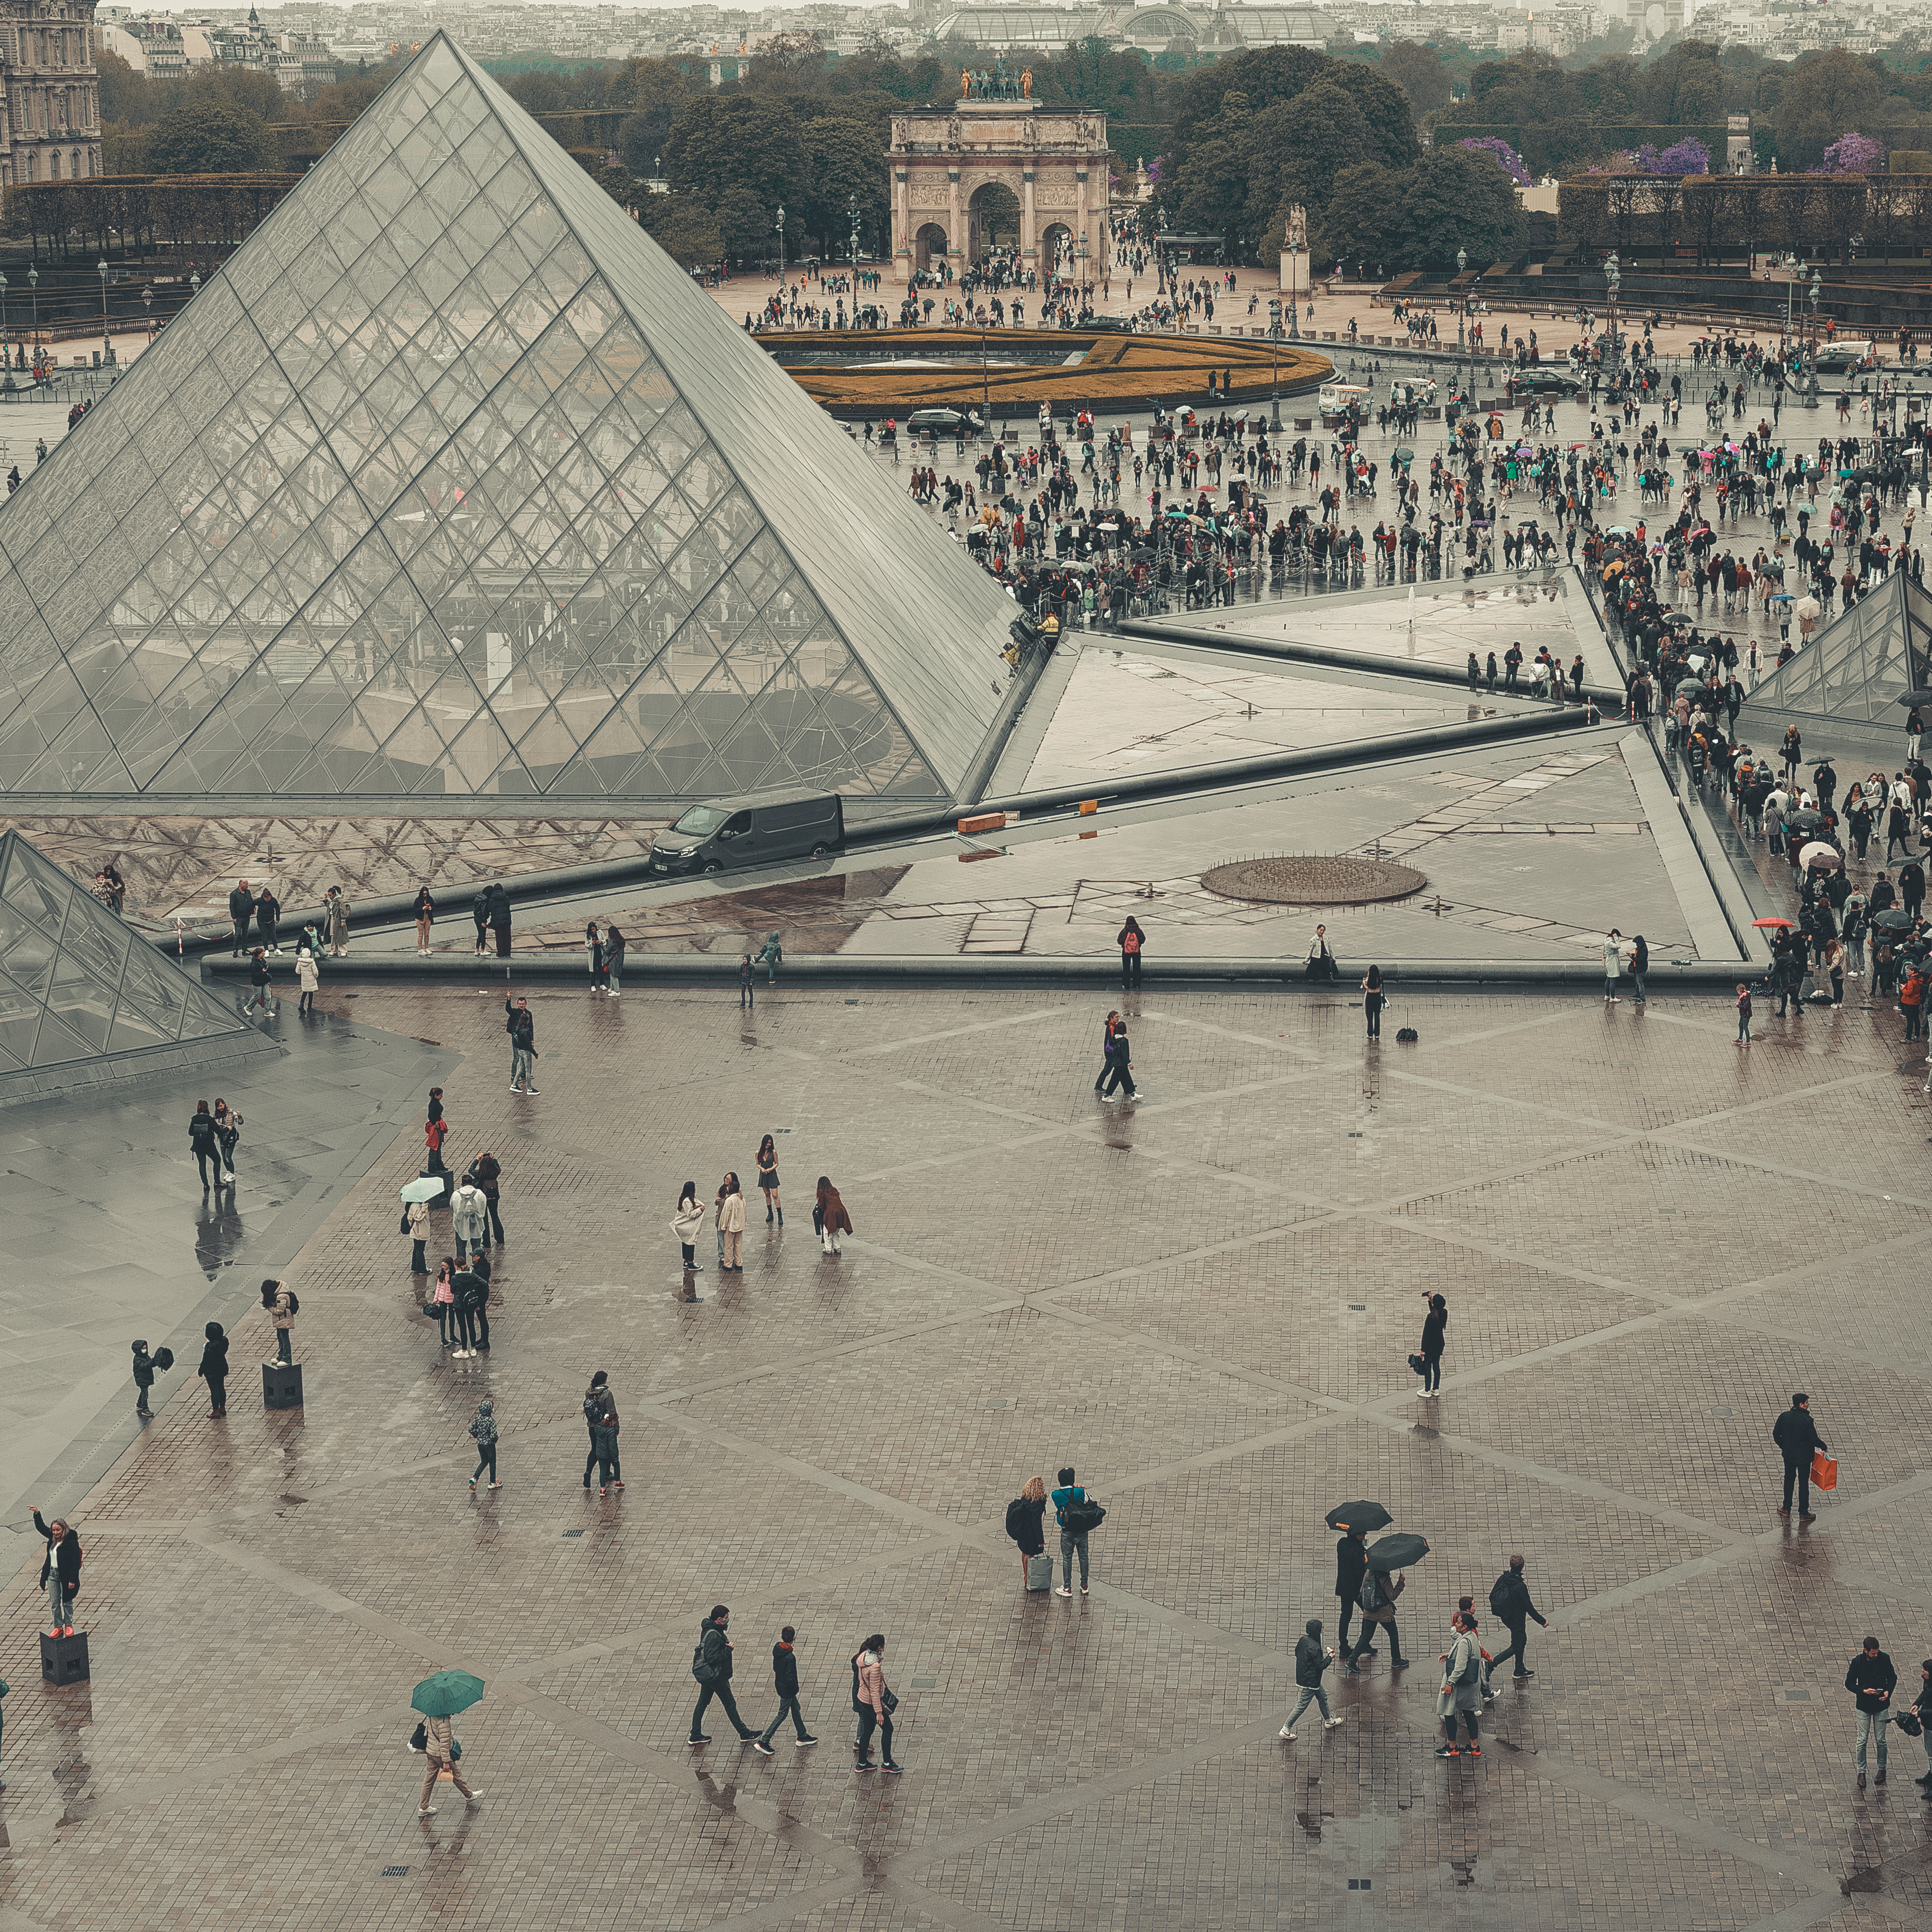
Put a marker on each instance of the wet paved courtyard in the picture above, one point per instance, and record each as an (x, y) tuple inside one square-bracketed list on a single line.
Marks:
[(1648, 1237)]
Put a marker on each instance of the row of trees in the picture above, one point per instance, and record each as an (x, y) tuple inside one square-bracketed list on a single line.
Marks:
[(1565, 119), (1812, 216)]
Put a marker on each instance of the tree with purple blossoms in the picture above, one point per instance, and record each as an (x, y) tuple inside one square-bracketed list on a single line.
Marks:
[(1506, 157), (1851, 154)]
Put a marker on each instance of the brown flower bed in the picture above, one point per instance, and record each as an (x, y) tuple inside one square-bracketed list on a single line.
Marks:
[(1123, 371)]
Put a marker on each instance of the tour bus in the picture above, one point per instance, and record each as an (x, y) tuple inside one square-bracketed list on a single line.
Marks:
[(1337, 398)]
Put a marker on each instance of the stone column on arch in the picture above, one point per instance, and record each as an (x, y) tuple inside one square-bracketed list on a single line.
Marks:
[(1083, 242), (956, 252), (903, 249), (1029, 227)]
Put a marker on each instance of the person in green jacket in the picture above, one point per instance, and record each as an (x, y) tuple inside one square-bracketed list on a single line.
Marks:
[(771, 954)]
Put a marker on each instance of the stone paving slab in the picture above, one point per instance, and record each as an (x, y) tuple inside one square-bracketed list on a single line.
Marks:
[(1204, 1303)]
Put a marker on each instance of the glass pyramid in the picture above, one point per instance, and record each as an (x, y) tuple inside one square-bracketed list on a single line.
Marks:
[(1858, 666), (452, 485), (78, 988)]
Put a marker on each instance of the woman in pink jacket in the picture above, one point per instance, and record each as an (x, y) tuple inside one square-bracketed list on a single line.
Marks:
[(873, 1700)]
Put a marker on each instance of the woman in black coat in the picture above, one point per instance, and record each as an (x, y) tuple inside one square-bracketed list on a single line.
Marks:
[(1434, 1327), (214, 1369), (1032, 1521)]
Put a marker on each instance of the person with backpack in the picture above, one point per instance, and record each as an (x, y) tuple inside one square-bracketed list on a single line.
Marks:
[(1026, 1524), (60, 1570), (520, 1023), (203, 1142), (1509, 1601), (784, 1680), (873, 1700), (483, 1432), (1462, 1693), (1079, 1516), (1310, 1661), (1132, 942), (711, 1665), (468, 1220), (1376, 1600), (280, 1298)]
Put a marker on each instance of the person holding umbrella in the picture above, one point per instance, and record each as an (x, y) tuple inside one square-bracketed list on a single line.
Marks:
[(1354, 1520), (438, 1699), (1382, 1583)]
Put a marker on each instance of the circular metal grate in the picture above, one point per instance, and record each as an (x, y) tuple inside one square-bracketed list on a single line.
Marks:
[(1314, 880)]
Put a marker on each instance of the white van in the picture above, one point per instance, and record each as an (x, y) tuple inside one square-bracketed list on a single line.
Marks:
[(1336, 397)]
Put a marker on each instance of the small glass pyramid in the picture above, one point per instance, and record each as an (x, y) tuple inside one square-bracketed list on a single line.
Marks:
[(78, 987), (1855, 668), (451, 485)]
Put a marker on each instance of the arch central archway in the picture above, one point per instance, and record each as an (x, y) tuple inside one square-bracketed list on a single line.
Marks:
[(928, 243), (1056, 251), (992, 219)]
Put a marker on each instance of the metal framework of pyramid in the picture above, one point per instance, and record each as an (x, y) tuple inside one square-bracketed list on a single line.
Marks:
[(450, 486), (1858, 666), (85, 999)]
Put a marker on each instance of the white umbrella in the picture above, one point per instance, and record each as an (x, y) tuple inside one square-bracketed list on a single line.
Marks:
[(1826, 857), (1808, 607)]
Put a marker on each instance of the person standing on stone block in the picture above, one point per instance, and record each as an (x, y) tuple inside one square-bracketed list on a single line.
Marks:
[(279, 1298), (60, 1570), (338, 922), (268, 917), (241, 910)]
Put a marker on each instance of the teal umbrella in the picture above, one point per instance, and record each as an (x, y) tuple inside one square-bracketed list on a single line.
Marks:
[(446, 1693)]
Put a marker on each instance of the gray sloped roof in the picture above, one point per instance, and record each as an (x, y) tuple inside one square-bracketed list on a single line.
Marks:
[(452, 484)]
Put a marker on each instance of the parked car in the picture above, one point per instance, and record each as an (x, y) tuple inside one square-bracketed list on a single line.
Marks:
[(1842, 358), (943, 422), (756, 830), (1542, 382)]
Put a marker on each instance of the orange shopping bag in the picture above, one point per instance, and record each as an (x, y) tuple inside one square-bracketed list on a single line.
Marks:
[(1824, 1470)]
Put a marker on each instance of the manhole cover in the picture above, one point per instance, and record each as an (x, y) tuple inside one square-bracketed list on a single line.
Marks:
[(1314, 880)]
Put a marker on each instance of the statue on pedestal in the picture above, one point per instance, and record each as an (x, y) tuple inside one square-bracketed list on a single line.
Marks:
[(1026, 84), (965, 83)]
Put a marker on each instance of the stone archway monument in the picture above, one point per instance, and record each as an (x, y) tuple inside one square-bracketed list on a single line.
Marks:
[(1053, 158)]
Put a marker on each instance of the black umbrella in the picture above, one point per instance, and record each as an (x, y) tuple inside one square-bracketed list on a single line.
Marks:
[(1892, 920), (1358, 1515), (1921, 696), (1805, 820), (1397, 1552)]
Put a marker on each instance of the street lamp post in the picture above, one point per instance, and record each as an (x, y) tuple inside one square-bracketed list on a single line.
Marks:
[(1462, 312), (147, 307), (779, 225), (1794, 274), (1811, 373), (1613, 274), (107, 341), (6, 353), (1294, 291), (852, 215), (1274, 366), (34, 290)]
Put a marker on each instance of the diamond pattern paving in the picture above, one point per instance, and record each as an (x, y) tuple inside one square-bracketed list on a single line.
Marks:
[(1206, 1304)]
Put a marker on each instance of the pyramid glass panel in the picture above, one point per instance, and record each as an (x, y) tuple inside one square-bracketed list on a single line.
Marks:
[(78, 987), (1857, 666), (450, 482)]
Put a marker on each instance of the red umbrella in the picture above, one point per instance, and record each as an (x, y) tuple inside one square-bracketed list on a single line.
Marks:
[(1772, 921)]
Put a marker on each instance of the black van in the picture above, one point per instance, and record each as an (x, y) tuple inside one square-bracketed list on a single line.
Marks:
[(754, 831)]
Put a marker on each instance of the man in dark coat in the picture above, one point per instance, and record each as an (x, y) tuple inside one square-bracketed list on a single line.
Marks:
[(714, 1650), (1873, 1678), (1352, 1558), (241, 910), (499, 918), (1509, 1600), (784, 1680), (1796, 1435)]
